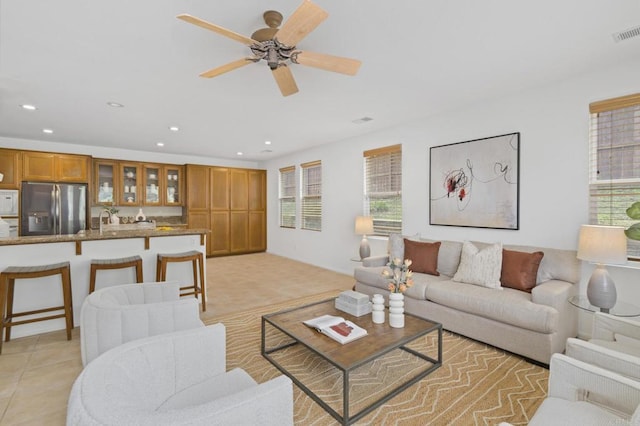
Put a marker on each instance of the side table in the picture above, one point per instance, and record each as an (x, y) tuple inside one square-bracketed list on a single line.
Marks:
[(621, 309)]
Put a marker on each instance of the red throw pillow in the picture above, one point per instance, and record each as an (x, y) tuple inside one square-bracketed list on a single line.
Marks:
[(424, 256), (520, 269)]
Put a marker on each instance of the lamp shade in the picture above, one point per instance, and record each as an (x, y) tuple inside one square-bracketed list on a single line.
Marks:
[(364, 225), (602, 244)]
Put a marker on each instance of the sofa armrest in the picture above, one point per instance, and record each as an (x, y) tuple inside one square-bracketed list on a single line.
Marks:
[(574, 380), (618, 362), (269, 403), (375, 261), (554, 293)]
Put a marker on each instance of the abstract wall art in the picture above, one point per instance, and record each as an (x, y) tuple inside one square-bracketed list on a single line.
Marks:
[(476, 183)]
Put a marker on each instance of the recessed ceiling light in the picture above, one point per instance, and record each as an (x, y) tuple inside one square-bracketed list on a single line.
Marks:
[(159, 144), (174, 128), (239, 153), (115, 105), (48, 131), (28, 107), (267, 142)]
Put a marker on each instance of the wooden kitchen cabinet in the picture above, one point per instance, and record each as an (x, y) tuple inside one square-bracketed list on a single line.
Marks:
[(10, 169), (50, 167), (235, 200), (174, 183), (153, 185), (131, 189), (106, 181)]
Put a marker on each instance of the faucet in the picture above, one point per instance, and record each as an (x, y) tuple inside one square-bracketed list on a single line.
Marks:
[(100, 218)]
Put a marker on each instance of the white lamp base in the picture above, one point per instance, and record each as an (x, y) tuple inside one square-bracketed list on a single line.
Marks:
[(365, 250), (601, 290)]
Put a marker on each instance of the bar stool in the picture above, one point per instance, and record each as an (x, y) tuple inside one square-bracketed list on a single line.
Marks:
[(122, 262), (197, 262), (8, 278)]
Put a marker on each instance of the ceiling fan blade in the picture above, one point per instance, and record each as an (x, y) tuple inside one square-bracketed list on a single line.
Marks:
[(328, 62), (285, 80), (304, 20), (217, 29), (227, 67)]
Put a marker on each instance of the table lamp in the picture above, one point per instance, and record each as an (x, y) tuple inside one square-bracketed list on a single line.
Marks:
[(602, 245), (364, 226)]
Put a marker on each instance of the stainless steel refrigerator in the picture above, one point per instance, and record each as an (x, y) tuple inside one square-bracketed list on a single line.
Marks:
[(53, 208)]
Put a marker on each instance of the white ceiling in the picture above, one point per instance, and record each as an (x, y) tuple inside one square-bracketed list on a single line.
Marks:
[(71, 57)]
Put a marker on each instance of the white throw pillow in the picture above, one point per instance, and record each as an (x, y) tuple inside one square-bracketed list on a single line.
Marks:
[(480, 267)]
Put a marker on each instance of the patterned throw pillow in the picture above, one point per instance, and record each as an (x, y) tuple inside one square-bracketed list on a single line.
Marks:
[(480, 267)]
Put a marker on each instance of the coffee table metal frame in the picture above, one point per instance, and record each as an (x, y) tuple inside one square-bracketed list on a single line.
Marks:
[(315, 344)]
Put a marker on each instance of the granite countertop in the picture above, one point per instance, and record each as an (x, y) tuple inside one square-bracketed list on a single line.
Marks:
[(94, 234)]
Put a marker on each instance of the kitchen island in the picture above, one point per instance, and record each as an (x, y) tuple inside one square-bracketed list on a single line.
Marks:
[(79, 249)]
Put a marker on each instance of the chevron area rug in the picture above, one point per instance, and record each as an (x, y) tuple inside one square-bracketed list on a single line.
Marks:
[(476, 385)]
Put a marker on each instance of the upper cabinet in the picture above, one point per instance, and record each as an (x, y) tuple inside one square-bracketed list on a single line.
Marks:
[(131, 186), (152, 185), (174, 194), (106, 181), (9, 169), (46, 166), (125, 183)]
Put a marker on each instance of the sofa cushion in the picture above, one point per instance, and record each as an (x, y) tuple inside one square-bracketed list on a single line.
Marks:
[(557, 264), (520, 269), (509, 306), (480, 267), (373, 276), (424, 256), (395, 245)]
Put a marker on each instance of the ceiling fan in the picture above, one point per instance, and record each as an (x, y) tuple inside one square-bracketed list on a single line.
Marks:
[(278, 46)]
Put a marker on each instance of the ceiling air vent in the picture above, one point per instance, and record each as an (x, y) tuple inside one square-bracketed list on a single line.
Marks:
[(626, 34), (362, 120)]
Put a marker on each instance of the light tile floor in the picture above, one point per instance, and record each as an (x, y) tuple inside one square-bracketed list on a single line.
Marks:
[(37, 372)]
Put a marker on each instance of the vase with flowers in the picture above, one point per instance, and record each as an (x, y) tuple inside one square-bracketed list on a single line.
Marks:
[(400, 279)]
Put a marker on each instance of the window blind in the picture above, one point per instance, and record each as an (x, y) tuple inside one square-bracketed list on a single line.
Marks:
[(288, 197), (311, 209), (383, 189), (614, 175)]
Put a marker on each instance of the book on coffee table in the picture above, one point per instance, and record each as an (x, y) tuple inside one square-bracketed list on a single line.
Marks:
[(339, 329)]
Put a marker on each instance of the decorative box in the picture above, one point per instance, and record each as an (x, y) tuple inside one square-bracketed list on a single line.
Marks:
[(354, 303)]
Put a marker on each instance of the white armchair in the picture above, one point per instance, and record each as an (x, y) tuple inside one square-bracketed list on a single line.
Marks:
[(585, 394), (115, 315), (618, 334), (609, 359), (176, 379)]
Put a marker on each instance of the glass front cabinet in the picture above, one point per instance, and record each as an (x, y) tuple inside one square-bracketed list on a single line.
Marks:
[(106, 178), (130, 188), (153, 185), (173, 195)]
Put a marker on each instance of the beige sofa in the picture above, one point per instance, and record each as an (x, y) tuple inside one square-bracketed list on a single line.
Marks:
[(534, 325)]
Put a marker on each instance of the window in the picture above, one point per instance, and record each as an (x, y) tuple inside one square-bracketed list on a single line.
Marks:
[(288, 197), (383, 188), (614, 176), (312, 195)]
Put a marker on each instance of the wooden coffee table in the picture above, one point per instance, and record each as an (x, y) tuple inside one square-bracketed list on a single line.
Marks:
[(284, 331)]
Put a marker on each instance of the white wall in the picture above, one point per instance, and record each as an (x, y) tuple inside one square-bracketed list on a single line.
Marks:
[(553, 125)]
